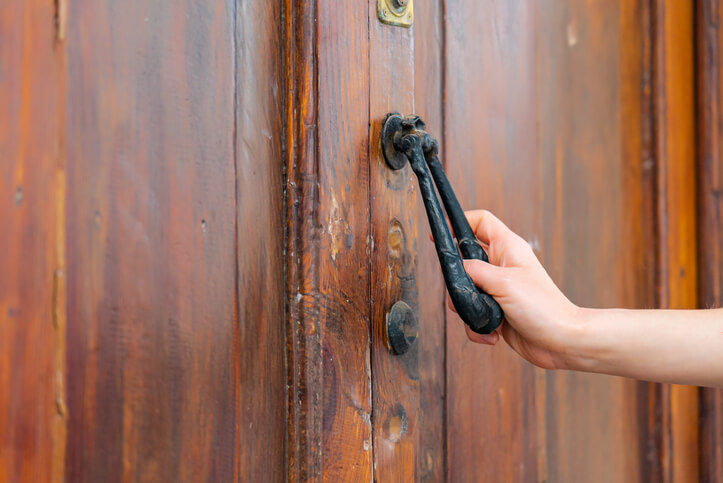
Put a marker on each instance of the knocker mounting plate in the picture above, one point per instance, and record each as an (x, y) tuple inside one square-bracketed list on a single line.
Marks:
[(396, 12)]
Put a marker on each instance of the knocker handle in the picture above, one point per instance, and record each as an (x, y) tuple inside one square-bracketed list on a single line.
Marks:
[(404, 139)]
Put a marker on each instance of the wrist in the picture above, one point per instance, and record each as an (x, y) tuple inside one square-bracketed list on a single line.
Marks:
[(585, 346)]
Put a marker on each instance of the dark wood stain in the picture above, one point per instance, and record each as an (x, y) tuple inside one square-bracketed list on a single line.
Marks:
[(329, 241), (302, 254)]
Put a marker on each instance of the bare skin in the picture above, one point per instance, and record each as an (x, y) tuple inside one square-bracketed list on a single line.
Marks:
[(548, 330)]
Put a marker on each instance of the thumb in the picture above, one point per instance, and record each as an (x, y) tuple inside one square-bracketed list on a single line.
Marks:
[(490, 278)]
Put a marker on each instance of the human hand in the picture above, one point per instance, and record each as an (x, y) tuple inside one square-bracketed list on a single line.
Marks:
[(540, 322)]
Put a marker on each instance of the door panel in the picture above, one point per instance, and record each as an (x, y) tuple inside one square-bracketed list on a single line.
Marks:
[(261, 393), (33, 409), (491, 154), (393, 202), (152, 314), (329, 241), (428, 78), (543, 117), (205, 242), (594, 219)]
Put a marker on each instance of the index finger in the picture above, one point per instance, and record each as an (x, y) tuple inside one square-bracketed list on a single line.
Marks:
[(487, 227)]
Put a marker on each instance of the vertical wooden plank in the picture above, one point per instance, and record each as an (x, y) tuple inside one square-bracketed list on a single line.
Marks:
[(428, 85), (344, 238), (710, 169), (675, 136), (329, 241), (393, 201), (32, 290), (490, 147), (305, 408), (260, 241), (153, 374), (591, 58)]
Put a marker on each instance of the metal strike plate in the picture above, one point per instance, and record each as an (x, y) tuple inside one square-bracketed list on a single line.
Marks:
[(396, 12)]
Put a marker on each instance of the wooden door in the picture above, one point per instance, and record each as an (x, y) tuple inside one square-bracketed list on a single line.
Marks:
[(202, 240)]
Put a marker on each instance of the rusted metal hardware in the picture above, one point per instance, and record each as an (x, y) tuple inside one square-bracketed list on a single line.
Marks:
[(396, 12), (404, 139), (402, 328)]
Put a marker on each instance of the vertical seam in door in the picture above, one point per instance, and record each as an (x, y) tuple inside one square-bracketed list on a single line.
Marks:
[(370, 244), (284, 79), (443, 114), (236, 308)]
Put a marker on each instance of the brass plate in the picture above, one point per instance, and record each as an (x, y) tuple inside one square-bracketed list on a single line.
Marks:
[(396, 12)]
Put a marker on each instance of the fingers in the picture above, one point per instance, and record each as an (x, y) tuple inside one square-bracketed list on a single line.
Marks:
[(450, 304), (488, 339), (490, 278), (504, 246), (487, 226)]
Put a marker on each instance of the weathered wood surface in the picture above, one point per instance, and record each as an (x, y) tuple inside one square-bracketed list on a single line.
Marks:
[(394, 220), (33, 413), (329, 241), (710, 177), (174, 302), (225, 312)]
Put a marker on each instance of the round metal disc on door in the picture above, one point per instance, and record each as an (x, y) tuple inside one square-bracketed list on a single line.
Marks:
[(402, 328)]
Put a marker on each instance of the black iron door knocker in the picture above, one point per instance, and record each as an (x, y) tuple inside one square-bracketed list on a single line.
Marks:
[(405, 140)]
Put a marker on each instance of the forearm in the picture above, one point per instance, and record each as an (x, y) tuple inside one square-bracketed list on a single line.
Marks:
[(677, 346)]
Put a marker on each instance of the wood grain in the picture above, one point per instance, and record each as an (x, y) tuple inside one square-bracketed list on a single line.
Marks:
[(304, 366), (393, 203), (153, 374), (594, 172), (674, 90), (428, 89), (573, 130), (490, 147), (33, 413), (710, 170), (261, 384), (329, 241)]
